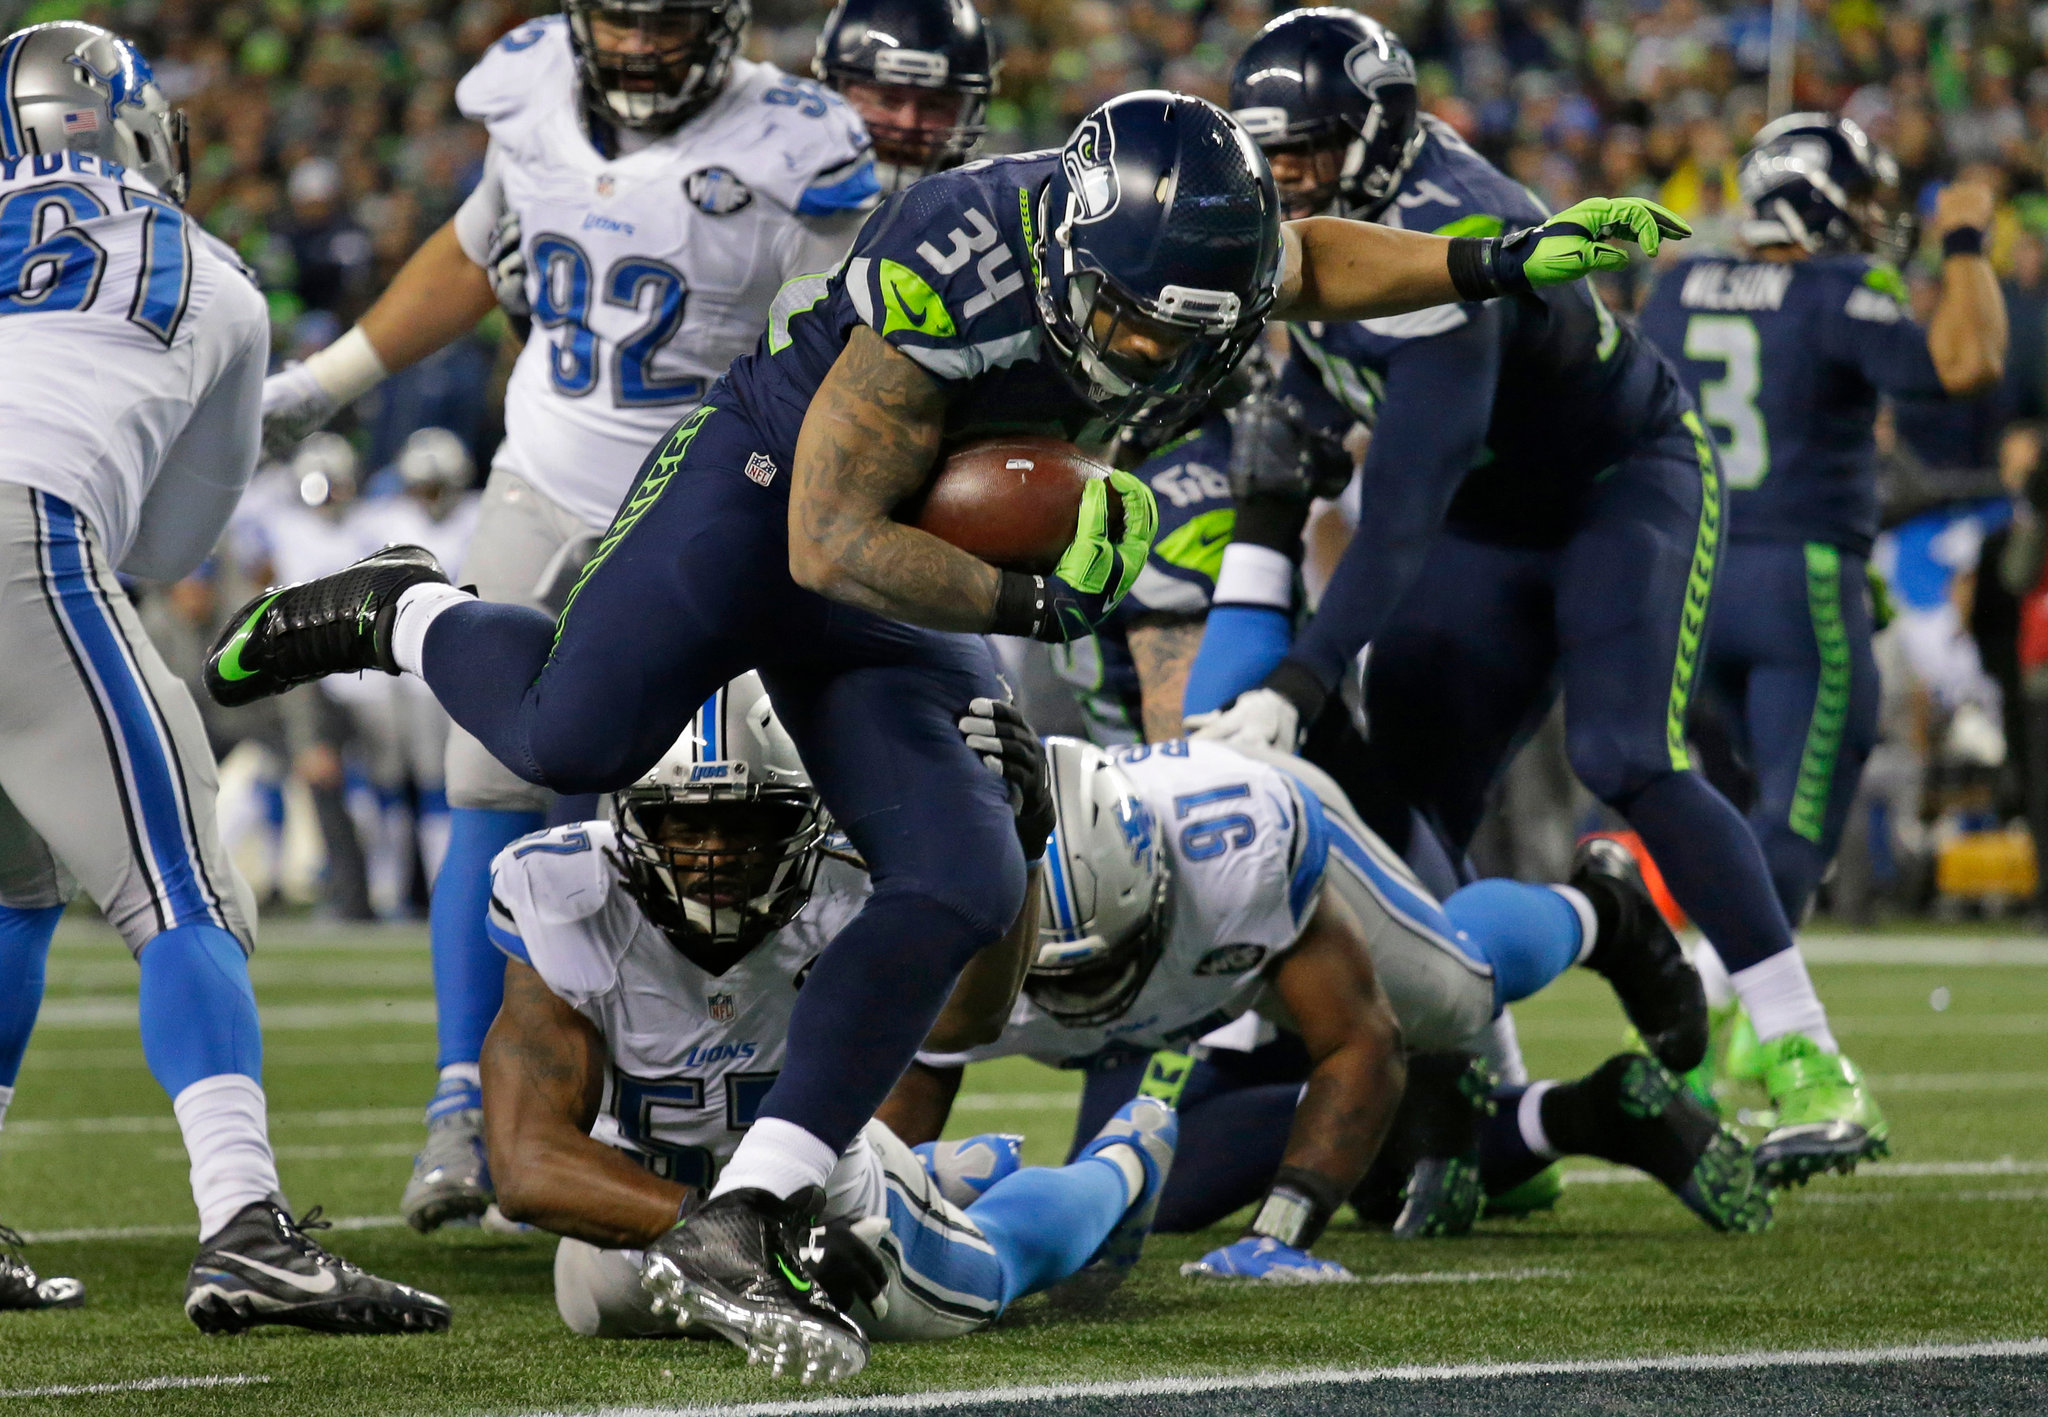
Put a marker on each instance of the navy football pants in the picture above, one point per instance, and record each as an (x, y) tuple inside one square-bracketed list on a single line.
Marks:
[(1791, 673), (1615, 618), (691, 587)]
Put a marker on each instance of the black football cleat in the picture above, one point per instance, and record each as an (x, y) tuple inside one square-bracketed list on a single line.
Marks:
[(338, 624), (1446, 1096), (263, 1268), (1634, 1112), (1636, 953), (22, 1288), (740, 1266)]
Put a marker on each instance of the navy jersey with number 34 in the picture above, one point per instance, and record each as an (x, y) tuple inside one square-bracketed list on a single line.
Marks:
[(1786, 361)]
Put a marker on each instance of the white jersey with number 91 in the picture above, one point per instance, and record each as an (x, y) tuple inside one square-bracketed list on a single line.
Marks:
[(648, 271)]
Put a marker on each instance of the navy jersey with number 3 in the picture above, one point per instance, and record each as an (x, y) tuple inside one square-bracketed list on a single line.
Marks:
[(1786, 361)]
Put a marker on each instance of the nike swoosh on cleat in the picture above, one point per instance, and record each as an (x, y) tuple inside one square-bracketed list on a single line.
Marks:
[(321, 1283), (802, 1286), (229, 663)]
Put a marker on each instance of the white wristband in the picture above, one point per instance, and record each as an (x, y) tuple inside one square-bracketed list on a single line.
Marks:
[(348, 368), (1255, 575)]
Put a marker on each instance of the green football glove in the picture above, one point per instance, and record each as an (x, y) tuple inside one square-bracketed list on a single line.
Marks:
[(1093, 575), (1570, 246)]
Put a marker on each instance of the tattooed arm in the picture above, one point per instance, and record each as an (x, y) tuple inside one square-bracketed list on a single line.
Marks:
[(869, 440), (1163, 647), (543, 1072), (1326, 983)]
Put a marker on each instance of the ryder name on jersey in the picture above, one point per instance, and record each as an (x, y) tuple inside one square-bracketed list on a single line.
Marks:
[(647, 269)]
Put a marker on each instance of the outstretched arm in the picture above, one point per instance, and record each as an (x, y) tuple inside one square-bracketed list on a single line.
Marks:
[(543, 1075), (1336, 269), (1967, 335)]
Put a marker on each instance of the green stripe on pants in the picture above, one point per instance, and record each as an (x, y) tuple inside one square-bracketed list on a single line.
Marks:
[(646, 492), (1699, 590), (1831, 698)]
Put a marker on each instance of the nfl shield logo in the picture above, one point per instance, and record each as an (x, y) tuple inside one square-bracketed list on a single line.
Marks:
[(761, 468), (723, 1010), (606, 184)]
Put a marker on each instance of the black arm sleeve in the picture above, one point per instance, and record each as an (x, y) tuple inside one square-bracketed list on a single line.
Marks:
[(1431, 432)]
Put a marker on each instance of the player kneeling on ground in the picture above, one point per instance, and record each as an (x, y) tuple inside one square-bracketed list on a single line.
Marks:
[(1188, 883), (655, 961)]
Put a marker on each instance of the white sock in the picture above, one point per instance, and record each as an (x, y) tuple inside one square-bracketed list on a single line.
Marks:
[(1779, 997), (1589, 922), (417, 609), (1529, 1118), (778, 1157), (1504, 1051), (471, 1073), (6, 1096), (1124, 1157), (228, 1140), (1713, 975)]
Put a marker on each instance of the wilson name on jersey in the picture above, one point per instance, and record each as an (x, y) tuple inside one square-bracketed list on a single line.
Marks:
[(119, 316), (648, 272), (1786, 360), (942, 272), (1245, 849), (689, 1054)]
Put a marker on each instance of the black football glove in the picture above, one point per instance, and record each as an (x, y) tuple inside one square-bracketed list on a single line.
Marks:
[(1279, 463), (846, 1265), (999, 732)]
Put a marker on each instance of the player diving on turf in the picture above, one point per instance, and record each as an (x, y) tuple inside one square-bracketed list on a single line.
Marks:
[(655, 960), (1189, 882), (1110, 282)]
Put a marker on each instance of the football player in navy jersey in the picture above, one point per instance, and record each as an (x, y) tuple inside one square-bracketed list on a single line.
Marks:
[(1541, 509), (918, 72), (1786, 350), (1110, 283)]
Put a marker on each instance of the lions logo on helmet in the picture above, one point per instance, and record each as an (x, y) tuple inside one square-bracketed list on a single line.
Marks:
[(720, 841), (53, 80)]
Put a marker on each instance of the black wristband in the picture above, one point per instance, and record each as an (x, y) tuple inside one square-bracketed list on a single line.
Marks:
[(1298, 1208), (1273, 522), (1467, 260), (1020, 605), (1294, 682), (1963, 241)]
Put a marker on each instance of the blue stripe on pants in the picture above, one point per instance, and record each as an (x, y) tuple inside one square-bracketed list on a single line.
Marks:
[(145, 756)]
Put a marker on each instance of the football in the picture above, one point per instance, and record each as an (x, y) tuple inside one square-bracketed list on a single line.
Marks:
[(1011, 501)]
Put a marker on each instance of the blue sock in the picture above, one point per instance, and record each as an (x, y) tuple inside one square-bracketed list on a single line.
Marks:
[(198, 1008), (1240, 646), (1713, 866), (1529, 934), (1046, 1222), (24, 951), (469, 973)]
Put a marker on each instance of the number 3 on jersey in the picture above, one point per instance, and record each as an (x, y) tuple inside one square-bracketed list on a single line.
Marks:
[(563, 301), (1729, 402)]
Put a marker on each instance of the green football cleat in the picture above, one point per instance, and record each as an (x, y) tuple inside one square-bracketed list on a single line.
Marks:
[(1826, 1118), (1540, 1192)]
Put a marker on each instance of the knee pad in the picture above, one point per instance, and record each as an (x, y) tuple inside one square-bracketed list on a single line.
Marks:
[(476, 779)]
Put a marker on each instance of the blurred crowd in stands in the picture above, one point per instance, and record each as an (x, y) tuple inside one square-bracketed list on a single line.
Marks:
[(327, 147)]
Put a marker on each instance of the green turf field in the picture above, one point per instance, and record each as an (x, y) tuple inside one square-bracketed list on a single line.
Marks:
[(1947, 1245)]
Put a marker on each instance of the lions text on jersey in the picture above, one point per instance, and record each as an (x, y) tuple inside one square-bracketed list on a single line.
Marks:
[(1245, 851), (690, 1055), (1786, 360), (648, 270), (134, 345), (943, 274)]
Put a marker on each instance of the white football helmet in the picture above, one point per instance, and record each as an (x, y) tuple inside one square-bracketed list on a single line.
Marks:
[(720, 841), (1100, 924), (433, 459), (325, 469), (78, 88)]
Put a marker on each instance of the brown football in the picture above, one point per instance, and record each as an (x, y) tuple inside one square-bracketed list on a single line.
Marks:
[(1012, 501)]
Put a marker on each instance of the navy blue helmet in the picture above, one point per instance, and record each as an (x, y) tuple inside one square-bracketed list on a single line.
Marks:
[(1327, 81), (1157, 256), (678, 63), (1818, 182), (919, 72)]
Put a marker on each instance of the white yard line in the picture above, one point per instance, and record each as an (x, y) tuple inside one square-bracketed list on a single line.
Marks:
[(93, 1060), (191, 1229), (132, 1385), (1922, 949), (1469, 1276), (2003, 1166), (164, 1122), (1016, 1101), (1346, 1377), (118, 1010)]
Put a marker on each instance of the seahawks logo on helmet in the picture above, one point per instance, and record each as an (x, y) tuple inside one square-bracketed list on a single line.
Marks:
[(1091, 173), (1375, 61), (716, 191)]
